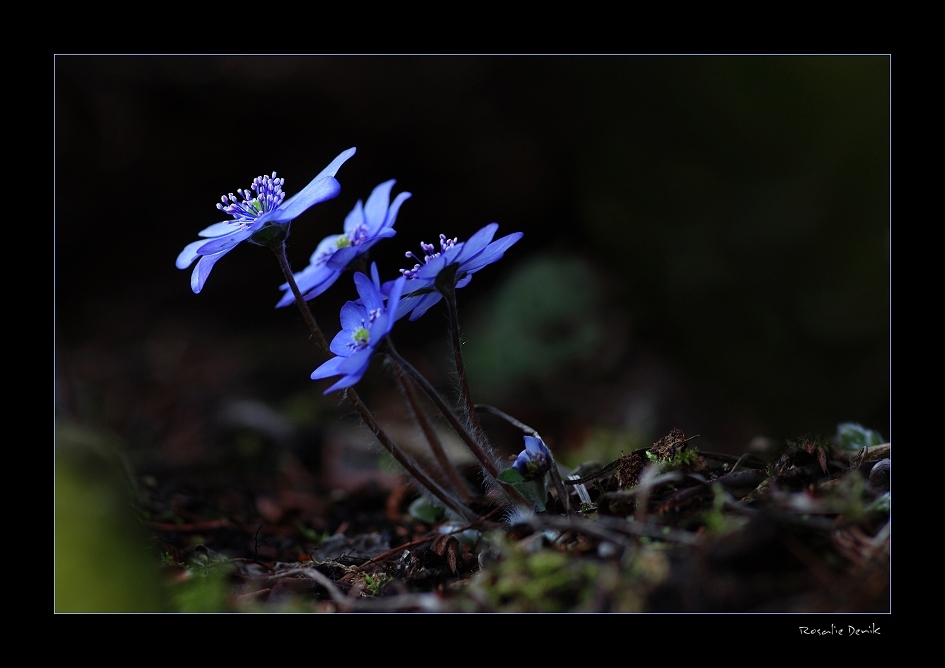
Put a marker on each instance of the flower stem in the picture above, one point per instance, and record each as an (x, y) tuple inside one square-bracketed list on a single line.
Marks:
[(447, 468), (485, 460), (279, 250), (470, 409), (410, 466), (403, 365)]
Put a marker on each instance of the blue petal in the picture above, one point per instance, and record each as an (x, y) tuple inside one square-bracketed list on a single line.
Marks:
[(433, 267), (355, 218), (387, 320), (477, 242), (287, 299), (386, 286), (322, 187), (352, 313), (325, 248), (328, 369), (405, 306), (371, 297), (202, 270), (424, 303), (225, 243), (395, 208), (376, 207), (321, 287), (313, 276), (352, 368), (492, 253), (346, 381), (341, 257), (339, 344), (376, 277), (534, 445), (311, 281), (219, 229), (189, 254)]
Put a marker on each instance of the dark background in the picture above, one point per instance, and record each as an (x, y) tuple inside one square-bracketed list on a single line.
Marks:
[(706, 238)]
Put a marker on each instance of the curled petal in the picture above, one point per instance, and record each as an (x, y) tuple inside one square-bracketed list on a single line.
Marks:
[(202, 270), (376, 208), (492, 252), (322, 187), (395, 208), (227, 242), (189, 254), (476, 242), (218, 229)]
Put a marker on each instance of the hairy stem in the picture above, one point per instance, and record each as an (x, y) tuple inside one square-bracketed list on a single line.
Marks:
[(473, 417), (410, 466), (553, 469), (307, 315), (485, 460), (447, 468)]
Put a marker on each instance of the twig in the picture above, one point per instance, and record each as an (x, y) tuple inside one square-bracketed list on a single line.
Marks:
[(427, 539), (337, 596)]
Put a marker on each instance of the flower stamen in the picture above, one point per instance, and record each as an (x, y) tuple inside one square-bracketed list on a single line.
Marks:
[(429, 252), (264, 194)]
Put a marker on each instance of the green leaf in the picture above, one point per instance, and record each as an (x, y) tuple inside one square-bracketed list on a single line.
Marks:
[(427, 511), (852, 436), (510, 475)]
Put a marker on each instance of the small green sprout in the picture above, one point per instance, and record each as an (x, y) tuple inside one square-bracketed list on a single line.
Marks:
[(852, 436)]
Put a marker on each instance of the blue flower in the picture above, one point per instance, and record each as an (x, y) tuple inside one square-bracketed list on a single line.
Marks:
[(263, 216), (534, 460), (364, 227), (364, 324), (468, 257)]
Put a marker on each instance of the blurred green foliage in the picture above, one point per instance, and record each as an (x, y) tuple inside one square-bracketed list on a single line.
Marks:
[(204, 589), (544, 316), (852, 436), (102, 562)]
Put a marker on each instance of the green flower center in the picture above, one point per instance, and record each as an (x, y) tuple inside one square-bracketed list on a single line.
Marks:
[(361, 337)]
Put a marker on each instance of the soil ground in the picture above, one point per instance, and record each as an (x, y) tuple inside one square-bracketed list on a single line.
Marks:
[(703, 532)]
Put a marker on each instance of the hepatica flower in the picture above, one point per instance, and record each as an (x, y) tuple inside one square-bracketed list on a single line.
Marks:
[(260, 214), (365, 226), (456, 261), (534, 460), (364, 324)]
